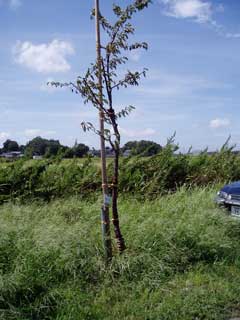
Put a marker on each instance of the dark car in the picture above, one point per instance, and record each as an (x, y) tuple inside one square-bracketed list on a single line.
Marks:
[(229, 196)]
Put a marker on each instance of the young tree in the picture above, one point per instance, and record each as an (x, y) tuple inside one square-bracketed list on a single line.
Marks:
[(101, 93)]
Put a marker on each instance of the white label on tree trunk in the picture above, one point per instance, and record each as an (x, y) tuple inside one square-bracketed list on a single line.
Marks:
[(107, 199)]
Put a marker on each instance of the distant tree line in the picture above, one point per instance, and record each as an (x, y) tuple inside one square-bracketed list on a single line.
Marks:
[(51, 148), (46, 148)]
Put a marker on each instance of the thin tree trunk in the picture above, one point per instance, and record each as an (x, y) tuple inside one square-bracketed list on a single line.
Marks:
[(115, 217)]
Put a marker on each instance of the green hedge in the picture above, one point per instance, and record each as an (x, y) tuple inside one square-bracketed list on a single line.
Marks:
[(149, 177)]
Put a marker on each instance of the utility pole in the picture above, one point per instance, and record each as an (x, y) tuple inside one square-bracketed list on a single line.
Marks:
[(107, 243)]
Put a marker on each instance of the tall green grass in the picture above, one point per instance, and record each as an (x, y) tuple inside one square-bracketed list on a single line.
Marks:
[(182, 260), (145, 177)]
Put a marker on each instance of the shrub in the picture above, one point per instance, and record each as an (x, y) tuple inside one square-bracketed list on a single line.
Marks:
[(146, 177)]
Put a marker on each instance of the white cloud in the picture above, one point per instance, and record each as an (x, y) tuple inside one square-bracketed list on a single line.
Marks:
[(137, 133), (219, 123), (134, 55), (199, 10), (232, 35), (30, 133), (45, 57), (4, 135), (14, 4), (170, 85)]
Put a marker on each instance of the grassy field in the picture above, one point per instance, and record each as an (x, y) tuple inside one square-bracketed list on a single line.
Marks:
[(182, 261)]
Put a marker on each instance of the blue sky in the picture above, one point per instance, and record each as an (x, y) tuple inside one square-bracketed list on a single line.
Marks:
[(192, 86)]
